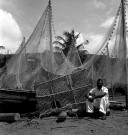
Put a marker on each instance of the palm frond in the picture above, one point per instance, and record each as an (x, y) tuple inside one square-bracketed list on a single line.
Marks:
[(78, 46), (59, 43), (57, 48), (73, 33), (67, 34), (60, 39), (84, 43), (77, 36)]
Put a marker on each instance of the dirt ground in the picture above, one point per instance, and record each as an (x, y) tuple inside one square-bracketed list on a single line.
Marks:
[(115, 124)]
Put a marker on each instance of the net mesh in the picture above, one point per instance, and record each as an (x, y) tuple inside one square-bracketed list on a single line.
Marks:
[(54, 77)]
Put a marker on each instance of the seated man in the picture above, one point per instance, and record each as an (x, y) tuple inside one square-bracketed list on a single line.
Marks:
[(98, 99)]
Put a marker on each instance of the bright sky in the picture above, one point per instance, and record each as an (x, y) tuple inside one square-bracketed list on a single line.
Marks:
[(92, 18)]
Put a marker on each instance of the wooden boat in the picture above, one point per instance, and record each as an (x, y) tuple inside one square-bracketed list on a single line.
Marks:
[(20, 101)]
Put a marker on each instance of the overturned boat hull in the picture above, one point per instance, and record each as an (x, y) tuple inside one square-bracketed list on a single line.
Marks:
[(20, 101)]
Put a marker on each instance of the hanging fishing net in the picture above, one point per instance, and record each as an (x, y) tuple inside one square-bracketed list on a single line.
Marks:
[(57, 78), (35, 61), (109, 61)]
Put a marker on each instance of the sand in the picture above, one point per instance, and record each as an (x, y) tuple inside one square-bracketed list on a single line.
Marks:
[(115, 124)]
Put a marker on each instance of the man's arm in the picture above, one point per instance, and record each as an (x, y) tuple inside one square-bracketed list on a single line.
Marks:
[(102, 94), (90, 93)]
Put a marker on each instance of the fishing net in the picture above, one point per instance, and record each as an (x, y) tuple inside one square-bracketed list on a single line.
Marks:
[(109, 62), (35, 61), (60, 79)]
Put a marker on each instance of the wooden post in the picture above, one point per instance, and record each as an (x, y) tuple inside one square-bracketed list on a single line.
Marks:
[(125, 50), (109, 59), (51, 53), (9, 117)]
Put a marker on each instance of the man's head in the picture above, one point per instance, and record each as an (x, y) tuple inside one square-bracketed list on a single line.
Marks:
[(99, 83)]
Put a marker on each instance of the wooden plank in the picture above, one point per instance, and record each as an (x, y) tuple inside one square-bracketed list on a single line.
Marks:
[(9, 117)]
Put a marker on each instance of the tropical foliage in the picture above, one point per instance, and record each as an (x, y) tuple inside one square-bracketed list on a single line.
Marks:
[(68, 39)]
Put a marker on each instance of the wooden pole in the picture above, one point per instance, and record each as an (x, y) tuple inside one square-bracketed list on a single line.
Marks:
[(109, 59), (125, 48), (9, 117), (51, 53)]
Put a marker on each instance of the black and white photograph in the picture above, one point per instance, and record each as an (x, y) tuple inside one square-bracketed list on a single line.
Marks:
[(63, 67)]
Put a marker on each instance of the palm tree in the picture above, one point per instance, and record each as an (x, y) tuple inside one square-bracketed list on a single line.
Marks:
[(69, 39), (65, 43)]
